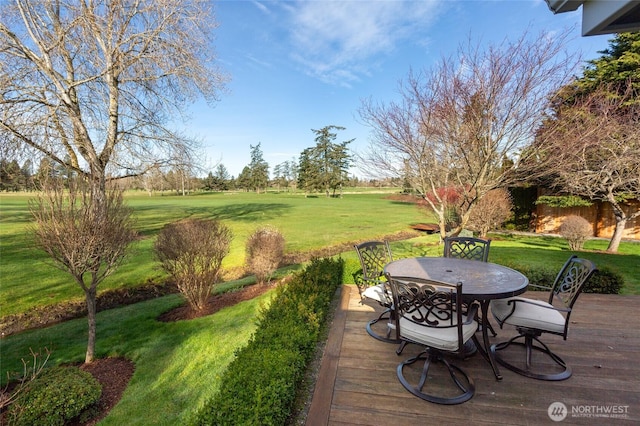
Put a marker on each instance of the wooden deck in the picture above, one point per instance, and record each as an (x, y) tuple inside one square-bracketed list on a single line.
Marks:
[(357, 382)]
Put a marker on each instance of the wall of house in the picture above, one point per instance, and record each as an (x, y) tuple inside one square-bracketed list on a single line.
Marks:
[(548, 219)]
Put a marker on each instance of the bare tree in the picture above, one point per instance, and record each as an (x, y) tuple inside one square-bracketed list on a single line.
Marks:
[(491, 211), (84, 238), (591, 148), (93, 85), (461, 125)]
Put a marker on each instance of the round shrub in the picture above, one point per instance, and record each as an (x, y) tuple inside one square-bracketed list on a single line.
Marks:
[(57, 396), (265, 250), (576, 230), (191, 251)]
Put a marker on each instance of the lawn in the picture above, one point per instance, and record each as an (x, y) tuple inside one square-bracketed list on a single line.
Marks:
[(178, 364), (307, 223)]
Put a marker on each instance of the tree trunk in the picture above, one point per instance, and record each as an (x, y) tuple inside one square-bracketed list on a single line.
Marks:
[(99, 196), (621, 222), (90, 296)]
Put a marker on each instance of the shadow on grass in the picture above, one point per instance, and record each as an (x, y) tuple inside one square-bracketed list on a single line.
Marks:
[(244, 212)]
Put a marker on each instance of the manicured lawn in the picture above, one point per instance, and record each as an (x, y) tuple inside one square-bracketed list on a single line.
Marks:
[(177, 365), (29, 280)]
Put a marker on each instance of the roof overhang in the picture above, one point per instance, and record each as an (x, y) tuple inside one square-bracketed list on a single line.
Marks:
[(602, 16)]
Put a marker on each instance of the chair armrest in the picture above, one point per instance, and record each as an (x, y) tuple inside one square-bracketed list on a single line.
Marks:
[(543, 287)]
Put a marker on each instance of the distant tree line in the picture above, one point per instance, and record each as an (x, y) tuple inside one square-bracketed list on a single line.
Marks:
[(323, 168)]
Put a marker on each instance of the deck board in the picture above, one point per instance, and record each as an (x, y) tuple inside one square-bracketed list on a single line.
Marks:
[(357, 382)]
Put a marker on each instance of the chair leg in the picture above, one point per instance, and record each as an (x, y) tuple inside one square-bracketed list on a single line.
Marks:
[(387, 336), (530, 345), (462, 381)]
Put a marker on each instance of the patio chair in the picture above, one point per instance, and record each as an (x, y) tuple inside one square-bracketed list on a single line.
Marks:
[(467, 248), (532, 318), (372, 285), (429, 313)]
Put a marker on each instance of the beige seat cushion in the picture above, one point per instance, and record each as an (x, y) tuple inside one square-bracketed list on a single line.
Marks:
[(532, 315), (378, 293), (438, 338)]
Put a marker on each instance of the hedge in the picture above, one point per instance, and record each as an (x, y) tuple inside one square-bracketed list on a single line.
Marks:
[(603, 281), (260, 385)]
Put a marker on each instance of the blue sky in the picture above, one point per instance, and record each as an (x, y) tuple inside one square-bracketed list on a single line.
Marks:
[(302, 65)]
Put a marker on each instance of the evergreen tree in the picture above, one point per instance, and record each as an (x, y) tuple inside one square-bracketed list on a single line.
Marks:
[(258, 170), (618, 68), (331, 160), (590, 145)]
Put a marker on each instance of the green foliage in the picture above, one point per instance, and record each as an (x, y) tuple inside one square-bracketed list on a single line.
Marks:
[(563, 201), (260, 385), (604, 281), (325, 166), (55, 397), (540, 277), (351, 267), (618, 67)]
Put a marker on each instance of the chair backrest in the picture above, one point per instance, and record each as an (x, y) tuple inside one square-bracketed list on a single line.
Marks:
[(570, 281), (428, 303), (467, 248), (373, 256)]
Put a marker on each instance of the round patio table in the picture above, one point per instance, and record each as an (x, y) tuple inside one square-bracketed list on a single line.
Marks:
[(481, 282)]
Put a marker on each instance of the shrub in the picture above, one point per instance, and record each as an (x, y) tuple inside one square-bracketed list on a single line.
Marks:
[(261, 383), (490, 212), (539, 278), (604, 281), (576, 230), (55, 397), (191, 251), (265, 250)]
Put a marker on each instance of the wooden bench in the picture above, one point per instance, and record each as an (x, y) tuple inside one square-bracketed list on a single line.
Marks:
[(428, 228)]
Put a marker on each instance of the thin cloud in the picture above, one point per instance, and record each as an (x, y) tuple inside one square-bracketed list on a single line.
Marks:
[(264, 9), (340, 41)]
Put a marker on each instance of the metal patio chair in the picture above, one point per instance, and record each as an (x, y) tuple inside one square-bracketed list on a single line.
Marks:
[(532, 318), (467, 248), (372, 285), (430, 313)]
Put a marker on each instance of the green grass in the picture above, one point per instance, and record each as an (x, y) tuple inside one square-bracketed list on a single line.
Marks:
[(29, 280), (536, 251), (177, 364)]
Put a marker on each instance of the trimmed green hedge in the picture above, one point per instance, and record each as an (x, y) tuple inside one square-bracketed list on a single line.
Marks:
[(604, 281), (58, 395), (260, 385)]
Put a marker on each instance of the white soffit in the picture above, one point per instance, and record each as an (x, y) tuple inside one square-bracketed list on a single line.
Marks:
[(606, 17), (602, 16)]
